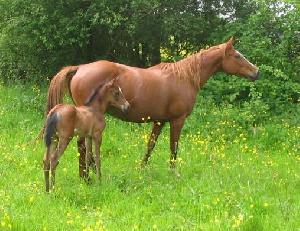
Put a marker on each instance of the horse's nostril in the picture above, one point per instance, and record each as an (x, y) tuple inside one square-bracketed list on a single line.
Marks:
[(127, 106), (257, 75), (254, 76)]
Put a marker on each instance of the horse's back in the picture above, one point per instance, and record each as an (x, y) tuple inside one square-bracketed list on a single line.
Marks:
[(90, 75)]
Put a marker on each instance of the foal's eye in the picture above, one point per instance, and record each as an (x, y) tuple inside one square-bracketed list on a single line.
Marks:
[(237, 56)]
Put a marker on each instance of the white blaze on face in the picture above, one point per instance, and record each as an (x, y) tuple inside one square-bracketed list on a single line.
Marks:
[(243, 57), (120, 90)]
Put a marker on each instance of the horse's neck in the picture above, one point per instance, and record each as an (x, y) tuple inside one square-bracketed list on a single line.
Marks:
[(211, 63), (99, 108), (199, 67)]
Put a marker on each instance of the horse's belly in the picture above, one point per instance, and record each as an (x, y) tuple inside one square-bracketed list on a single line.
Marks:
[(137, 116)]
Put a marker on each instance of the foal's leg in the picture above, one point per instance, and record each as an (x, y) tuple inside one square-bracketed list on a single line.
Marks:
[(88, 153), (97, 141), (82, 152), (54, 159), (156, 130), (46, 161), (175, 130)]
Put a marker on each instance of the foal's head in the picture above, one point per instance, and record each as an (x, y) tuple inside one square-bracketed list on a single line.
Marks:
[(111, 94), (235, 63)]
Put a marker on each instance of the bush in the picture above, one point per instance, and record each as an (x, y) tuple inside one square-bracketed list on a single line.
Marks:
[(270, 39)]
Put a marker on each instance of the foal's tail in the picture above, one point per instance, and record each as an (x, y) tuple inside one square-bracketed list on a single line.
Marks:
[(58, 85), (50, 128)]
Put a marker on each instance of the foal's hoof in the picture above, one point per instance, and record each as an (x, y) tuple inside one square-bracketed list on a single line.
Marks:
[(93, 167), (143, 164)]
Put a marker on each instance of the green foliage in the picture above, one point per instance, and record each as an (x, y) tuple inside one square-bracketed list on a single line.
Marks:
[(37, 38), (270, 38)]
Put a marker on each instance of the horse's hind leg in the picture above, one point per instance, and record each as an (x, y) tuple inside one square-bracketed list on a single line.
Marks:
[(62, 145), (82, 152), (156, 130)]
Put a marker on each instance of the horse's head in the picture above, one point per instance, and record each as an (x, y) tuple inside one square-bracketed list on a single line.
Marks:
[(235, 63), (115, 96)]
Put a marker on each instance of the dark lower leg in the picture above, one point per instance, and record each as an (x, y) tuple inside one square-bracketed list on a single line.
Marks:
[(156, 130), (173, 156), (175, 130), (82, 164)]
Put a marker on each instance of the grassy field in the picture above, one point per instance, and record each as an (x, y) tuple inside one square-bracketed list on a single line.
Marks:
[(227, 176)]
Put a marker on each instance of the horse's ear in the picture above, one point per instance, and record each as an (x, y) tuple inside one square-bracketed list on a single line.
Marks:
[(229, 45), (231, 40)]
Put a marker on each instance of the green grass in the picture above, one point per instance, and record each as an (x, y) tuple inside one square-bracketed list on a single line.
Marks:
[(227, 178)]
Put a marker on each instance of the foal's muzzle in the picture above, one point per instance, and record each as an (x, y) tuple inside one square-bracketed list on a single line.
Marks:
[(125, 107)]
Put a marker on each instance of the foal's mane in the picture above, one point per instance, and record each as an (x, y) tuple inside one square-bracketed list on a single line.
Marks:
[(92, 97), (188, 68)]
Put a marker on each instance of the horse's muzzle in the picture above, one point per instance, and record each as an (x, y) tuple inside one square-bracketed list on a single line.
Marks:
[(125, 107), (255, 76)]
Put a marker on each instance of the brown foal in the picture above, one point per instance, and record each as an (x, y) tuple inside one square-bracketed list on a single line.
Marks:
[(163, 93), (64, 121)]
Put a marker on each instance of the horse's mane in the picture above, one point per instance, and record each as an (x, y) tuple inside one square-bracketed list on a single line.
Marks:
[(188, 68)]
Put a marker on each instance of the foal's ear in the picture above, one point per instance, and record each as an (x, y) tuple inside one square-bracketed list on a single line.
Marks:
[(229, 45), (110, 83), (115, 80)]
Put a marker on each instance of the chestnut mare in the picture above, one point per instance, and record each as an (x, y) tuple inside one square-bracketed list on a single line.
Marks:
[(159, 94)]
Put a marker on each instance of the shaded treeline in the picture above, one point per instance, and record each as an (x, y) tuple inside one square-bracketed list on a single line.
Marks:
[(39, 37)]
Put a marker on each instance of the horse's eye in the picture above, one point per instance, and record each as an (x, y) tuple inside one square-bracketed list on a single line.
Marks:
[(237, 56)]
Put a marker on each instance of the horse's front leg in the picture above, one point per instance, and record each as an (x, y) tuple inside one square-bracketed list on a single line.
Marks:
[(97, 144), (156, 130), (82, 152), (175, 130)]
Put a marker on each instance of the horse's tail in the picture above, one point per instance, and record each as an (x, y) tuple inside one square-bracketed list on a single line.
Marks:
[(58, 85), (50, 128), (57, 89)]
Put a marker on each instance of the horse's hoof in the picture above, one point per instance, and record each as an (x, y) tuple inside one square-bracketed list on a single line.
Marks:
[(172, 166), (93, 166), (143, 164), (88, 180)]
